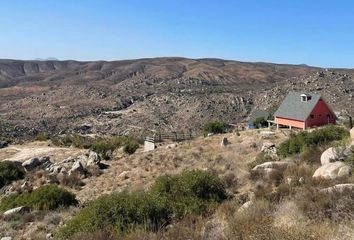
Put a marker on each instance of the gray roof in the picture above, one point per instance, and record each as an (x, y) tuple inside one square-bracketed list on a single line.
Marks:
[(256, 113), (293, 108)]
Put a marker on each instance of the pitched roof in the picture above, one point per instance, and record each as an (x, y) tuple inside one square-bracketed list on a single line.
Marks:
[(293, 108), (256, 113)]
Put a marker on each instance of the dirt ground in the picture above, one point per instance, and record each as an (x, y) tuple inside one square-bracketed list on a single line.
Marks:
[(38, 149)]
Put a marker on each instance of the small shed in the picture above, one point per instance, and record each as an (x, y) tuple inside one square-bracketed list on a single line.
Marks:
[(257, 113), (304, 110)]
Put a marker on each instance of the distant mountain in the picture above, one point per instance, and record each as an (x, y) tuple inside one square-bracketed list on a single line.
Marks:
[(46, 59), (167, 94)]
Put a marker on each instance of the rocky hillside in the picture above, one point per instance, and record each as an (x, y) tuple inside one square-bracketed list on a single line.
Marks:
[(163, 93)]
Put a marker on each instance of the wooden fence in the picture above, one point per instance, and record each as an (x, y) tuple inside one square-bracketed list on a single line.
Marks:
[(176, 136)]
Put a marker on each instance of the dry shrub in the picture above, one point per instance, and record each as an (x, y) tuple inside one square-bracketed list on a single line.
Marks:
[(318, 205), (73, 181), (257, 222), (97, 235)]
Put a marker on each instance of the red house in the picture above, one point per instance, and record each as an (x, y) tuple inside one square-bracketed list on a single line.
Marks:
[(301, 110)]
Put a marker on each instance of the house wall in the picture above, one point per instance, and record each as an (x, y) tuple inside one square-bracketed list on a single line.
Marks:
[(289, 122), (320, 118)]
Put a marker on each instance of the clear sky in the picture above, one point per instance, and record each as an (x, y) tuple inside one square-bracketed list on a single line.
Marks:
[(314, 32)]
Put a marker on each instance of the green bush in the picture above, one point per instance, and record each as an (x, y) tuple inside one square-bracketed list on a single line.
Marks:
[(190, 192), (170, 198), (103, 146), (305, 140), (215, 127), (42, 137), (49, 197), (9, 172), (131, 147), (260, 122)]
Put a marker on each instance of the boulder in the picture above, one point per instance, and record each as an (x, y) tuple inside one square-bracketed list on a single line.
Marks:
[(31, 164), (224, 142), (277, 165), (6, 238), (330, 155), (352, 133), (272, 170), (332, 170), (339, 188), (18, 210)]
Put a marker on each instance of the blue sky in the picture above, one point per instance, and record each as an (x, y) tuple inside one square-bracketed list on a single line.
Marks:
[(316, 32)]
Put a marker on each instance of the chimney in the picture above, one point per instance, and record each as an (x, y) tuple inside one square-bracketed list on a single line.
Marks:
[(305, 97)]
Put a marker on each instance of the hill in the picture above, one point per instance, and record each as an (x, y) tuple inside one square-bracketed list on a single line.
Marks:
[(163, 93)]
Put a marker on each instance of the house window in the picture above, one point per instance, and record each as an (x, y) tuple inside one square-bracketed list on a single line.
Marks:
[(312, 116)]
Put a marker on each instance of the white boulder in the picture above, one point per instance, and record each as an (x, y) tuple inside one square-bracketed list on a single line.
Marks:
[(18, 210), (332, 170), (330, 155)]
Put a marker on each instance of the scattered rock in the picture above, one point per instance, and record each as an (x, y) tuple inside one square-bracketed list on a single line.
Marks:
[(49, 236), (269, 147), (245, 206), (301, 180), (332, 170), (31, 164), (18, 210), (26, 187), (210, 134), (124, 174), (172, 145), (224, 142), (352, 133)]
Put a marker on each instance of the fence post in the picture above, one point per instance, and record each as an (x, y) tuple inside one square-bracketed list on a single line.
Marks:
[(350, 122)]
